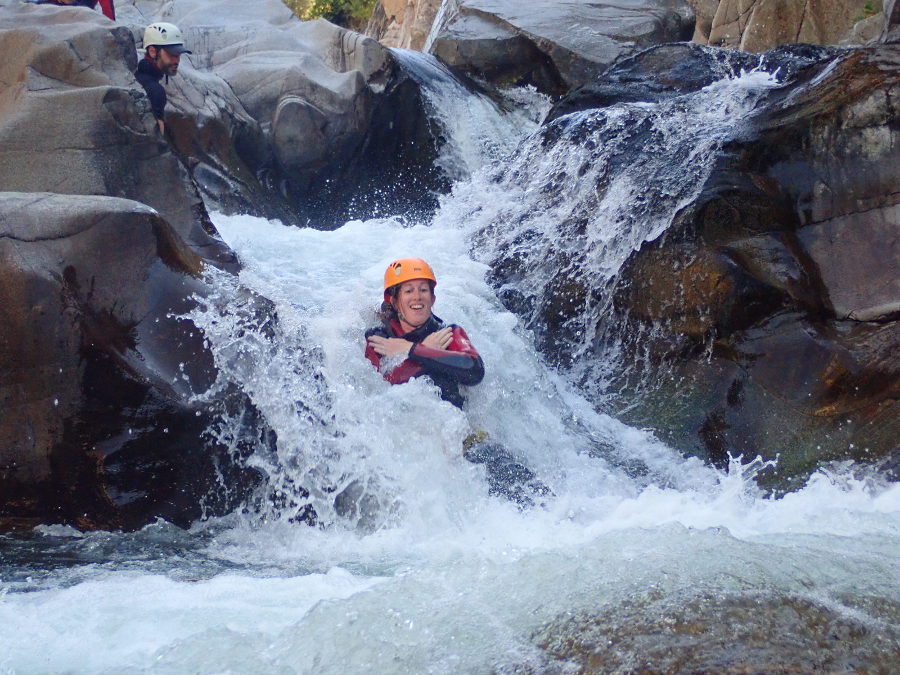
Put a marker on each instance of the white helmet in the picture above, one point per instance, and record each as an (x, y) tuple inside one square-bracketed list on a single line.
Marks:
[(166, 35)]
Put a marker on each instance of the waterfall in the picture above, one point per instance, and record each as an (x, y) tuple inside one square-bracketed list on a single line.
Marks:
[(576, 199), (476, 130)]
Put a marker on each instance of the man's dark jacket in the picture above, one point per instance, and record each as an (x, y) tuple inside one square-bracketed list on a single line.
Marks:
[(149, 75)]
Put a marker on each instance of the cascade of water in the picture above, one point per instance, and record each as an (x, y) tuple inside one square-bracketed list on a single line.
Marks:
[(476, 130), (438, 23), (565, 190), (309, 457), (574, 201)]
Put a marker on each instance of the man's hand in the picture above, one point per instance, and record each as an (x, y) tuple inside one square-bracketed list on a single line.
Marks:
[(390, 346), (440, 339)]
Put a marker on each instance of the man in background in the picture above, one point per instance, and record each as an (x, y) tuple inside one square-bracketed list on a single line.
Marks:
[(163, 47)]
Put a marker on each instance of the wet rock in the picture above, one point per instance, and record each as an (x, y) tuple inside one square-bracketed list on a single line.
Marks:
[(736, 633), (508, 43), (762, 318), (669, 282), (806, 392), (846, 249), (807, 208), (840, 173), (670, 70), (74, 121), (98, 374)]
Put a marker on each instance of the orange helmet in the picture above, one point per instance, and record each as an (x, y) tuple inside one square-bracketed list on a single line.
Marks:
[(407, 269)]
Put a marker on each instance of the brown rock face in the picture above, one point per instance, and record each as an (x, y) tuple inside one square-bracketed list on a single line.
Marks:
[(96, 372), (403, 23), (760, 25), (704, 11)]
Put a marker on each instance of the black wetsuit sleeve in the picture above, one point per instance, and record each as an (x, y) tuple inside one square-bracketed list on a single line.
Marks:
[(460, 362)]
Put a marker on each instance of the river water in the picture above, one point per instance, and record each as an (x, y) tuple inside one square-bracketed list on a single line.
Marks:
[(641, 558)]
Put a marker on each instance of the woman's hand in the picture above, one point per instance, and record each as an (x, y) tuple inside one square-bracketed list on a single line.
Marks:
[(440, 339), (390, 346)]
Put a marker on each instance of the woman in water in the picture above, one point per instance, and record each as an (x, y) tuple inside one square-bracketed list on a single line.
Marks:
[(412, 341)]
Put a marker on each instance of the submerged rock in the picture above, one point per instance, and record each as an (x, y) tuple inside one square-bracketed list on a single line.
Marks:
[(104, 424), (752, 632)]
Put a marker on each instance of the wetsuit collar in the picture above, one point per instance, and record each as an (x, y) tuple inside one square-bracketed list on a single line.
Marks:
[(419, 332)]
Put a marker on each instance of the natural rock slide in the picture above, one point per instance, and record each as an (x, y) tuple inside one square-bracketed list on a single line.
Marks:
[(773, 296)]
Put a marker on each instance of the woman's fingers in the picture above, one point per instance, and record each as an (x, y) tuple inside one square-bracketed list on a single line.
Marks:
[(389, 346), (440, 339)]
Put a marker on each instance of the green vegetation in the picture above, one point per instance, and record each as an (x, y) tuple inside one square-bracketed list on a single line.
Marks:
[(348, 13), (869, 9)]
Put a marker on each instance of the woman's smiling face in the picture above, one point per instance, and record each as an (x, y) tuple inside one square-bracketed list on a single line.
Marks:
[(413, 302)]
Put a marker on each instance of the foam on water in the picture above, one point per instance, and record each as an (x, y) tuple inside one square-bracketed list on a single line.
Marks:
[(454, 581)]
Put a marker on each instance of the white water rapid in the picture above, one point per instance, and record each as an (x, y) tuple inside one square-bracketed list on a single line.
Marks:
[(441, 577)]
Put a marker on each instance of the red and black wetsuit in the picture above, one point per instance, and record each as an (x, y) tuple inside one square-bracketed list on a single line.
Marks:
[(447, 368)]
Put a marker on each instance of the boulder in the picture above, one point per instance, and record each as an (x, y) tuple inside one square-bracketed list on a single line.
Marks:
[(74, 121), (300, 120), (552, 45), (101, 376)]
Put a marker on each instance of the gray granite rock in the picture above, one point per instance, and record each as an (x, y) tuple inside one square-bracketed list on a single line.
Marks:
[(576, 40)]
